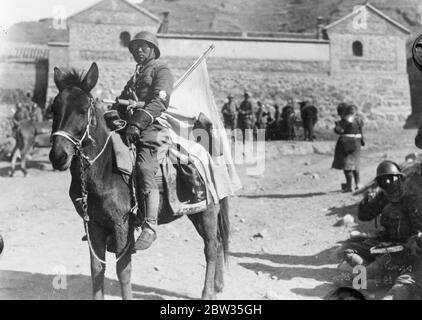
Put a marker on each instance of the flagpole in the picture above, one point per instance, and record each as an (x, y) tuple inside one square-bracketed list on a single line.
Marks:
[(193, 67)]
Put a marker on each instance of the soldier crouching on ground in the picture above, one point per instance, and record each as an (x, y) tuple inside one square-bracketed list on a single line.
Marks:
[(152, 83), (401, 221)]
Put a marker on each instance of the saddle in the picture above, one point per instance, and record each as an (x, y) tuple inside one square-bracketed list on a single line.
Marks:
[(180, 183)]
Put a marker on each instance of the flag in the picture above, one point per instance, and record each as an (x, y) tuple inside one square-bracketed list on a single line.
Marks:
[(191, 98)]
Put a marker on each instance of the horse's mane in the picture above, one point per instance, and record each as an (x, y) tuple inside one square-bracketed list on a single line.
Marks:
[(73, 78)]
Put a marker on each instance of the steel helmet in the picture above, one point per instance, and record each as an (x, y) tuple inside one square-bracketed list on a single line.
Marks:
[(388, 168), (148, 37)]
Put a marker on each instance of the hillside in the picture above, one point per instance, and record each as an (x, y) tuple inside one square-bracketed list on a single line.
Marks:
[(273, 15), (240, 15)]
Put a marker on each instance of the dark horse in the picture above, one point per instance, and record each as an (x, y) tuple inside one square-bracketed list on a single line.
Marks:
[(77, 123), (26, 134), (309, 115)]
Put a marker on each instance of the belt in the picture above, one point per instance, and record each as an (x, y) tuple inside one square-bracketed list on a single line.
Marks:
[(356, 136)]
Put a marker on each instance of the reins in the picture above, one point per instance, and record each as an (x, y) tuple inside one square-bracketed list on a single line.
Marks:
[(83, 200)]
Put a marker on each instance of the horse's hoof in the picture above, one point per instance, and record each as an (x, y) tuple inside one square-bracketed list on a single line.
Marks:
[(219, 288), (209, 296), (11, 174)]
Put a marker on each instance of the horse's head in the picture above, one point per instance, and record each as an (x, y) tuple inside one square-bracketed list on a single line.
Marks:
[(72, 114)]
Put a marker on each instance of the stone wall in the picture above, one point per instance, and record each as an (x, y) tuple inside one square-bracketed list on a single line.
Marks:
[(58, 57), (102, 37), (17, 75), (384, 45), (382, 99), (271, 69), (246, 48)]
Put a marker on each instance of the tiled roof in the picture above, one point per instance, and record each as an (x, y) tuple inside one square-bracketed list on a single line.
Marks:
[(24, 52)]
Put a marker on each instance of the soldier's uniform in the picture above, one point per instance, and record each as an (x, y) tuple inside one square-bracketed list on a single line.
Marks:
[(152, 83), (401, 221), (245, 116), (229, 113), (259, 116)]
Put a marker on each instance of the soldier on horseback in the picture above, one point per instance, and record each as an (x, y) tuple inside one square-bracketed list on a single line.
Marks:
[(152, 83)]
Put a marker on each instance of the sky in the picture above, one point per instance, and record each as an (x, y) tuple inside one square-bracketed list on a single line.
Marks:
[(12, 11)]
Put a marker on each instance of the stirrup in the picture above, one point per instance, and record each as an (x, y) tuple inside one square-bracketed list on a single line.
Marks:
[(146, 239)]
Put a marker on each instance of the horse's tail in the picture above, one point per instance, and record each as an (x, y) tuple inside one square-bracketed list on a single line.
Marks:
[(224, 227)]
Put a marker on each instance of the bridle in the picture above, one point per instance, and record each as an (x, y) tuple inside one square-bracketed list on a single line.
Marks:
[(77, 143), (83, 200)]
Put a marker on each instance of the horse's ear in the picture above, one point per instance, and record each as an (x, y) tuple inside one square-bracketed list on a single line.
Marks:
[(91, 78), (58, 78)]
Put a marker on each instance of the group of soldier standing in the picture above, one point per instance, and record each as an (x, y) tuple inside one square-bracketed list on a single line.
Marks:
[(248, 117)]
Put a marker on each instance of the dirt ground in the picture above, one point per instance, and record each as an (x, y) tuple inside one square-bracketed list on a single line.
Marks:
[(295, 205)]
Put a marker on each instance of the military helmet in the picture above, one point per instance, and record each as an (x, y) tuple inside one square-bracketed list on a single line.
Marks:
[(388, 168), (230, 96), (148, 37), (349, 110)]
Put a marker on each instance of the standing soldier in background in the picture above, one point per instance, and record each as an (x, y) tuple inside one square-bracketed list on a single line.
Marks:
[(229, 113), (260, 113), (21, 114), (37, 114), (246, 119), (348, 147)]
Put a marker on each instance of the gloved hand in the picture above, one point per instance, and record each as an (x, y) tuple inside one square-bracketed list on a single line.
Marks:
[(132, 103), (110, 117), (370, 194), (414, 245), (132, 134)]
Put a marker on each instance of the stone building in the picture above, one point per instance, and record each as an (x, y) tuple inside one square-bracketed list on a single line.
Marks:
[(24, 66), (101, 33), (360, 58)]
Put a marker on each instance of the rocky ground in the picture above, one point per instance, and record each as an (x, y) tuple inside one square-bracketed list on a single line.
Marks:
[(286, 225)]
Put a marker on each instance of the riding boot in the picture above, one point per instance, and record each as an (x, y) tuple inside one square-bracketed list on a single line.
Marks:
[(149, 235), (349, 177), (356, 176)]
